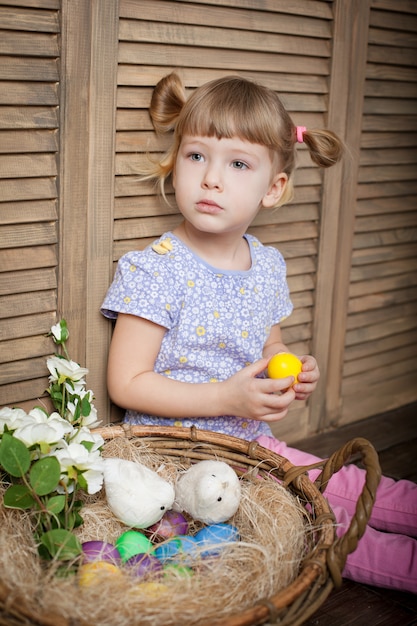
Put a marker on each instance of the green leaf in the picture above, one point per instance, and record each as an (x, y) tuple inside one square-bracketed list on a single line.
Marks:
[(18, 497), (65, 571), (43, 552), (56, 504), (82, 482), (61, 544), (71, 519), (78, 520), (85, 407), (14, 456), (44, 475), (56, 393), (77, 412)]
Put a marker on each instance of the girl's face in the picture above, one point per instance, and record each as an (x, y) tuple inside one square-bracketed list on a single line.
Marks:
[(221, 184)]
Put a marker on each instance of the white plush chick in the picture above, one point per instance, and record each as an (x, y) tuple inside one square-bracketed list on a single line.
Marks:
[(136, 495), (209, 491)]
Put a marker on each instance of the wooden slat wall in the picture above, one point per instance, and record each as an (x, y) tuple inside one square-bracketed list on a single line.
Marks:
[(285, 47), (381, 326), (29, 98), (69, 179)]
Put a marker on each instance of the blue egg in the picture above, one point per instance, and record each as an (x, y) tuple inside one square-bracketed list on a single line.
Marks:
[(168, 549), (180, 549), (189, 548), (212, 538)]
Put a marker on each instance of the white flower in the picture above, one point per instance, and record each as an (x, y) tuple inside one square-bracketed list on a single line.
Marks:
[(44, 430), (38, 416), (12, 418), (84, 434), (91, 419), (84, 420), (75, 387), (62, 369), (74, 458), (56, 331)]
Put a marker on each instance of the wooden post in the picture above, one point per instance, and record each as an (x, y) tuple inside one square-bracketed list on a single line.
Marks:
[(89, 68), (338, 216)]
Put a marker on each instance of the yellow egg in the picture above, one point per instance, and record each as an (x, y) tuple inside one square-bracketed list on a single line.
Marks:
[(284, 364), (151, 589), (93, 573)]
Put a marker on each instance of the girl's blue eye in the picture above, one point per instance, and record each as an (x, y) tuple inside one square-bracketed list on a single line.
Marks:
[(239, 165), (195, 156)]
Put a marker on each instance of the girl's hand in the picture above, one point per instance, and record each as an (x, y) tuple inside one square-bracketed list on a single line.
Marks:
[(262, 399), (307, 379)]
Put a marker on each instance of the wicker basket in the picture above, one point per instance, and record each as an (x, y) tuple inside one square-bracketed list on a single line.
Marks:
[(320, 571)]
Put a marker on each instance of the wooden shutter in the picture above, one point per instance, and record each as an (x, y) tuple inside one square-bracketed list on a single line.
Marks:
[(349, 236), (286, 47), (28, 194), (375, 307)]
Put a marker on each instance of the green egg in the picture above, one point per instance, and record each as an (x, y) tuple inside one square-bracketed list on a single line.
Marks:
[(174, 569), (132, 542)]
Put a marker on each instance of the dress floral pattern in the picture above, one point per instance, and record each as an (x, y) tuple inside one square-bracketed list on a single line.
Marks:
[(217, 321)]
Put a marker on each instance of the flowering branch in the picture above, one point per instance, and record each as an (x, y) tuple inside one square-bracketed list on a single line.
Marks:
[(47, 458)]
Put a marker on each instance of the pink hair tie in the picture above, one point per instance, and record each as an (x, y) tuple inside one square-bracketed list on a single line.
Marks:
[(300, 132)]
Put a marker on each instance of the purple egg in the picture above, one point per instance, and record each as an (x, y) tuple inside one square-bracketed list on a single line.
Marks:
[(171, 524), (142, 564), (99, 551)]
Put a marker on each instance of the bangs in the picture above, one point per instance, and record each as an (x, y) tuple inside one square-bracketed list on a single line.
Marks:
[(233, 107)]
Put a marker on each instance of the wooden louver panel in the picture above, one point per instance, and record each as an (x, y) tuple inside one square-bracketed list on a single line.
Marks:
[(285, 49), (28, 195), (381, 338)]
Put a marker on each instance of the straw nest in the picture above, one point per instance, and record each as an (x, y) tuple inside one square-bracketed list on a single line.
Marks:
[(275, 536)]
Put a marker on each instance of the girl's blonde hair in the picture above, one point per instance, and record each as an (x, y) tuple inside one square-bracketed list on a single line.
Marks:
[(232, 106)]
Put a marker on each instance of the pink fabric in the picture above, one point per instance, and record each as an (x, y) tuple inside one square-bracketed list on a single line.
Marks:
[(386, 555)]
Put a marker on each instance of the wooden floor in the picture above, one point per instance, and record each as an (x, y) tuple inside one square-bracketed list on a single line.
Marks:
[(394, 435)]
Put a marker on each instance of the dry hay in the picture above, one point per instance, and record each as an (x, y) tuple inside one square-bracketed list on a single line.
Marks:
[(274, 533)]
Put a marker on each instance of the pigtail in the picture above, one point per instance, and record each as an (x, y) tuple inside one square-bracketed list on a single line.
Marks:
[(168, 98), (324, 146)]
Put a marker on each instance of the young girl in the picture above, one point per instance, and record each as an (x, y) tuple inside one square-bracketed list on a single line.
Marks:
[(199, 311)]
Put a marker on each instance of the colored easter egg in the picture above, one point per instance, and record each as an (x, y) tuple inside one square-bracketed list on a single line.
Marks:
[(176, 570), (142, 564), (172, 523), (182, 548), (151, 589), (284, 364), (188, 549), (212, 538), (168, 549), (132, 542), (99, 551), (94, 572)]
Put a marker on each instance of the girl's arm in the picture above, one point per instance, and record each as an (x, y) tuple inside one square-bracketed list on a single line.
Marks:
[(133, 383), (310, 373)]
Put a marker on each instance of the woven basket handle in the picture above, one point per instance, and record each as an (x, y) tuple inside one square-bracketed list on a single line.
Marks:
[(347, 543)]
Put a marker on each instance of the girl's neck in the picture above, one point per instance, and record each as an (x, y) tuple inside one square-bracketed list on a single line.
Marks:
[(227, 251)]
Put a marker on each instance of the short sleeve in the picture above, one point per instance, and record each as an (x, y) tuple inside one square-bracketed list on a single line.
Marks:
[(271, 267), (284, 305), (142, 286)]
